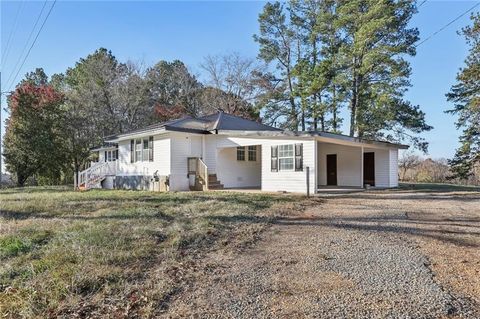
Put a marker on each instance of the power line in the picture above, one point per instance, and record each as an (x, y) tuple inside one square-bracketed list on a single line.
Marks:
[(26, 43), (421, 4), (12, 32), (448, 24), (33, 43)]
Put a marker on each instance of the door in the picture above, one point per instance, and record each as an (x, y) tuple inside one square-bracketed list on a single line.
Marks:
[(332, 169), (369, 168)]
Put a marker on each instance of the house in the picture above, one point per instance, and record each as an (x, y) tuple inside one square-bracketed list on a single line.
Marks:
[(225, 151)]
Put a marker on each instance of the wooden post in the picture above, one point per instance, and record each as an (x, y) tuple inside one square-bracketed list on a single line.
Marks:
[(307, 169)]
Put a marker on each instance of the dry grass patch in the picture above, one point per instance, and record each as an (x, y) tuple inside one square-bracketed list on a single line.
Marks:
[(116, 253)]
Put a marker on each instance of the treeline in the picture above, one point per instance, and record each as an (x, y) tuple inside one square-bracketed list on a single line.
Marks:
[(317, 61), (415, 168), (55, 121)]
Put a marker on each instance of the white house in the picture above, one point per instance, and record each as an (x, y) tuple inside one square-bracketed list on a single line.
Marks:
[(225, 151)]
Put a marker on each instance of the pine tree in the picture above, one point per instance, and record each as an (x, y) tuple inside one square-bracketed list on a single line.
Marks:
[(465, 95)]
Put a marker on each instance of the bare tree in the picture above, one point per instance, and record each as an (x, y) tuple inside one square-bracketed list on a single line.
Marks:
[(408, 161), (230, 84)]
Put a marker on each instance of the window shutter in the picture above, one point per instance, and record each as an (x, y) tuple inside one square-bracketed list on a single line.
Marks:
[(105, 158), (150, 148), (274, 159), (132, 151), (298, 157)]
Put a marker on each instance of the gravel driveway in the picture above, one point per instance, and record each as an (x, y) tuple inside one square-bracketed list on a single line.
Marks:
[(365, 255)]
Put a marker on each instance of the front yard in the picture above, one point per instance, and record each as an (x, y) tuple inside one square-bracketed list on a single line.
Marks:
[(116, 253), (406, 253)]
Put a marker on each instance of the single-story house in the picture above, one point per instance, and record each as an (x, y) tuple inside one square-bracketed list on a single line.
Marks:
[(225, 151)]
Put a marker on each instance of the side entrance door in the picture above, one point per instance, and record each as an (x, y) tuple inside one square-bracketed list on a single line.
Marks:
[(369, 168), (332, 169)]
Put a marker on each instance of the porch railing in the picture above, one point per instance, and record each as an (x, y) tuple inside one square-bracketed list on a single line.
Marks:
[(198, 168), (95, 174)]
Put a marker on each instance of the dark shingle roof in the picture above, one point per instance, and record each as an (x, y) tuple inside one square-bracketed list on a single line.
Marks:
[(223, 123), (228, 122), (202, 125)]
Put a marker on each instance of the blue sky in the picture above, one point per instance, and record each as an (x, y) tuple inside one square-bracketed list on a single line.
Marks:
[(154, 30)]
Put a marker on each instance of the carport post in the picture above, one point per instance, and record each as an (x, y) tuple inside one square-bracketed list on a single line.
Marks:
[(307, 169)]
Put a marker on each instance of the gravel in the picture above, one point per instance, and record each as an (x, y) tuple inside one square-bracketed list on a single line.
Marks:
[(343, 259)]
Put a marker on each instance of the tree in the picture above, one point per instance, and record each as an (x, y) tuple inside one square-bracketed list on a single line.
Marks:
[(278, 43), (171, 85), (231, 85), (33, 144), (407, 162), (465, 95), (332, 54), (375, 39)]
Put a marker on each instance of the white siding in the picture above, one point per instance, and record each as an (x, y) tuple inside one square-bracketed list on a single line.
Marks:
[(382, 169), (289, 181), (161, 158), (233, 173), (183, 146), (386, 168), (349, 164), (393, 168)]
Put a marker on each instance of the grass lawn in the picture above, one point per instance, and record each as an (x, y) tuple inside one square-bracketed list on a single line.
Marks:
[(117, 253)]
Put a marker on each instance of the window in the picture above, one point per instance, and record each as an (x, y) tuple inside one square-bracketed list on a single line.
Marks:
[(138, 150), (252, 153), (240, 153), (109, 156), (141, 150), (287, 157), (150, 148), (146, 151)]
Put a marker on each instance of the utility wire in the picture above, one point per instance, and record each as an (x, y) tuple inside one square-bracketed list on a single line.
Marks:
[(12, 32), (448, 24), (26, 43), (33, 43), (421, 4)]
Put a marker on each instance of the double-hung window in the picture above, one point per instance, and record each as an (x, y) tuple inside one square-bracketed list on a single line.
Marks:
[(241, 153), (141, 150), (285, 157), (252, 153), (138, 150), (146, 152)]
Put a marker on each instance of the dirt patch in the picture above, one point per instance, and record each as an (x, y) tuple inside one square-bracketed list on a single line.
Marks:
[(374, 254)]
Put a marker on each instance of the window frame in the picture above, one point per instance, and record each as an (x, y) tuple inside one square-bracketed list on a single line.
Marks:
[(241, 151), (284, 157), (252, 149), (138, 150)]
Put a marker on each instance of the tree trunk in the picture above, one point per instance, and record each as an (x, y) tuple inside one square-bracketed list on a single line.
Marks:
[(21, 179), (303, 120), (353, 106), (334, 108)]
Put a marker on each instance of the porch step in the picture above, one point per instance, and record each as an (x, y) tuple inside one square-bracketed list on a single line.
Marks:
[(213, 182), (215, 186)]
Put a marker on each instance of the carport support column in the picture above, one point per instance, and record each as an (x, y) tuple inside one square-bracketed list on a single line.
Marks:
[(361, 167)]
